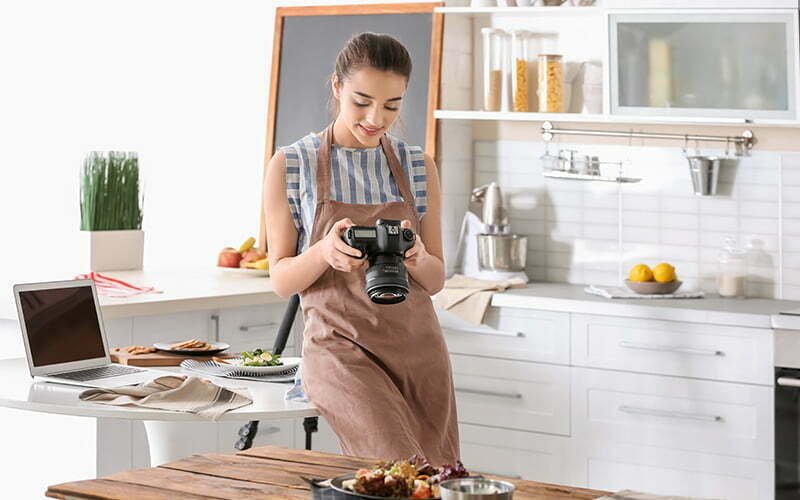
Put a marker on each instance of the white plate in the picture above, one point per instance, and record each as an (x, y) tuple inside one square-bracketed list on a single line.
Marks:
[(243, 270), (216, 347), (287, 364)]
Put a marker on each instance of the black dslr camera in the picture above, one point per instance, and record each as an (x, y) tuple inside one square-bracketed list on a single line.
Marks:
[(385, 245)]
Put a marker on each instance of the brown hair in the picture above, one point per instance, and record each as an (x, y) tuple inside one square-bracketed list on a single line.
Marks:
[(375, 50)]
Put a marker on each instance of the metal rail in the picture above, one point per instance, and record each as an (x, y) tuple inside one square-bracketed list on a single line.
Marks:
[(743, 142)]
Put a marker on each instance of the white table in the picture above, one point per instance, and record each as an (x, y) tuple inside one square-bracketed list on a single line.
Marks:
[(167, 434)]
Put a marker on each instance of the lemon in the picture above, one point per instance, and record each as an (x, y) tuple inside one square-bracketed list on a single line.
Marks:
[(640, 272), (664, 273)]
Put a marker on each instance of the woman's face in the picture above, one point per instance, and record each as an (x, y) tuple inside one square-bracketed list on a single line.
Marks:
[(369, 103)]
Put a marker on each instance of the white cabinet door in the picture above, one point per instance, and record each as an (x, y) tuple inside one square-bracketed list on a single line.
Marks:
[(247, 328), (172, 327), (521, 455), (673, 348), (661, 471), (523, 334), (512, 394), (323, 440), (668, 412)]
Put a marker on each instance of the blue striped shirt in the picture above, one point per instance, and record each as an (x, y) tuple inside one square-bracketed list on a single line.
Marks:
[(358, 175)]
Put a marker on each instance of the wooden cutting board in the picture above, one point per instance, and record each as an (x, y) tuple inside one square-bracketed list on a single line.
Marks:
[(158, 358)]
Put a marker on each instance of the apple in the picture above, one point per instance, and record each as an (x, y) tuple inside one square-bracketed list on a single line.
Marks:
[(229, 257)]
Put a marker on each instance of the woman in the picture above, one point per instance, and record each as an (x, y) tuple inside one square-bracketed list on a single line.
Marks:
[(379, 374)]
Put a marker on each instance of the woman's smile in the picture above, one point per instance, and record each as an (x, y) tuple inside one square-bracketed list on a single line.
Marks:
[(370, 131)]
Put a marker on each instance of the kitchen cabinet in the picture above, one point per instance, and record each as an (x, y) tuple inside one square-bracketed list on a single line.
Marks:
[(659, 405), (704, 63), (683, 349)]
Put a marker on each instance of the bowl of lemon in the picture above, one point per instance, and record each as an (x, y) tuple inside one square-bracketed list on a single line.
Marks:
[(659, 280)]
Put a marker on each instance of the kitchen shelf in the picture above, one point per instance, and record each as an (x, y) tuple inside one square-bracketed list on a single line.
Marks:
[(521, 11), (586, 177), (442, 114)]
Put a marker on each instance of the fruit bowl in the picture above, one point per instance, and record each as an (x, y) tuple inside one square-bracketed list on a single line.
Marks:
[(653, 287)]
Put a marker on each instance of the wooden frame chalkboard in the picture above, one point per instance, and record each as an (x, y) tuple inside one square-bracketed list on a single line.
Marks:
[(313, 36)]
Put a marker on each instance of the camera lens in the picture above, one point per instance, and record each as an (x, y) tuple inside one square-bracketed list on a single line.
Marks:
[(387, 280)]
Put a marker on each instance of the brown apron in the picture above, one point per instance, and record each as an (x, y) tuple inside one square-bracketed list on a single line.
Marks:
[(379, 374)]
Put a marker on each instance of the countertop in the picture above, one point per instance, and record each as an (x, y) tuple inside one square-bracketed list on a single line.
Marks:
[(750, 312), (182, 290), (217, 288)]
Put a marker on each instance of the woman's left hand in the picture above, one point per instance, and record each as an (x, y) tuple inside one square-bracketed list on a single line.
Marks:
[(417, 253)]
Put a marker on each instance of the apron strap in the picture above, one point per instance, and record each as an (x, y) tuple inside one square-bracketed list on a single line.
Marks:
[(323, 177), (400, 177), (323, 174)]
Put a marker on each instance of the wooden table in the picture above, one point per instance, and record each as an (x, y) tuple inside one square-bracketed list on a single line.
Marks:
[(265, 472)]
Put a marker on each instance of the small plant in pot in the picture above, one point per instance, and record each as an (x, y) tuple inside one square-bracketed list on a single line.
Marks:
[(111, 210)]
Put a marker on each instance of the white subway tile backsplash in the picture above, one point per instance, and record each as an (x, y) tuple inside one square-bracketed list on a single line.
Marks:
[(583, 232), (718, 223)]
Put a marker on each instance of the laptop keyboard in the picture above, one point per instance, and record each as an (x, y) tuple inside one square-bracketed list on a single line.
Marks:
[(101, 372)]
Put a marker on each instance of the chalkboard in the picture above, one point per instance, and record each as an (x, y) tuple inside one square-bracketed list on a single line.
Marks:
[(306, 42)]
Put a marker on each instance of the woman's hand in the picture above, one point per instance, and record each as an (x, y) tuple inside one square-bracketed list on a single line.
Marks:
[(417, 254), (338, 254)]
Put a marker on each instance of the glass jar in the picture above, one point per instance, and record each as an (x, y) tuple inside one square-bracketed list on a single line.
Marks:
[(494, 68), (523, 60), (732, 270), (551, 83)]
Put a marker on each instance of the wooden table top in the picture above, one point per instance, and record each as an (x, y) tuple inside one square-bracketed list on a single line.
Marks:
[(264, 472)]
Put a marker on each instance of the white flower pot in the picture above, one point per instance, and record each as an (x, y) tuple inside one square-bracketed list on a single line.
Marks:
[(114, 250)]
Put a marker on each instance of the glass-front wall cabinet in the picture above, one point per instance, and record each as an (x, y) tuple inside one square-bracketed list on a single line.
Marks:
[(711, 64)]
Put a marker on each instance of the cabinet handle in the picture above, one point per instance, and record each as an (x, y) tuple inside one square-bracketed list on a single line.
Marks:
[(670, 414), (215, 319), (247, 328), (668, 348), (788, 382), (494, 333), (509, 395)]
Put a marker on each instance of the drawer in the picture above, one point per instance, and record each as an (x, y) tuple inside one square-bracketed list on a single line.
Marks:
[(512, 394), (261, 322), (511, 333), (616, 467), (519, 455), (668, 412), (673, 348), (170, 327)]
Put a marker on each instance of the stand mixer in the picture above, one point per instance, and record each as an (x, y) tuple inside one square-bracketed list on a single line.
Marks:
[(487, 249)]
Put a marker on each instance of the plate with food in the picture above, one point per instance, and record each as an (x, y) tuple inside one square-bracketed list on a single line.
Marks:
[(192, 346), (407, 479), (261, 361)]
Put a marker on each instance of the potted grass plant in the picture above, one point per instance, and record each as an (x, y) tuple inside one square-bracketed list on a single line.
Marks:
[(111, 210)]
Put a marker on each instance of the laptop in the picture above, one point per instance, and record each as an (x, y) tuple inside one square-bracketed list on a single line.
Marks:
[(65, 340)]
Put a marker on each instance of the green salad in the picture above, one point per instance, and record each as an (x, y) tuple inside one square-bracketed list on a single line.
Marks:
[(260, 357)]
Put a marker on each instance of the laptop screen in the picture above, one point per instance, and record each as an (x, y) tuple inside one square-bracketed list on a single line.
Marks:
[(62, 325)]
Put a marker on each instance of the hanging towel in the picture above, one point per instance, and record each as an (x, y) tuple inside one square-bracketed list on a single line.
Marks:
[(115, 288), (174, 393), (469, 298)]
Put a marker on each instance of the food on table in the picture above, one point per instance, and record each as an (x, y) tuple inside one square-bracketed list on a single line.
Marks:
[(661, 273), (640, 272), (260, 357), (191, 345), (412, 478), (229, 257), (135, 350), (247, 256), (247, 245), (664, 273)]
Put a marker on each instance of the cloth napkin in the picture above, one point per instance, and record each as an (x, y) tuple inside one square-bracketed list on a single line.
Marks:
[(635, 495), (115, 288), (618, 292), (174, 393), (469, 298)]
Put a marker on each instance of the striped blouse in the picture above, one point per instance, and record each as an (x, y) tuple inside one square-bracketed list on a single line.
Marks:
[(358, 175)]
